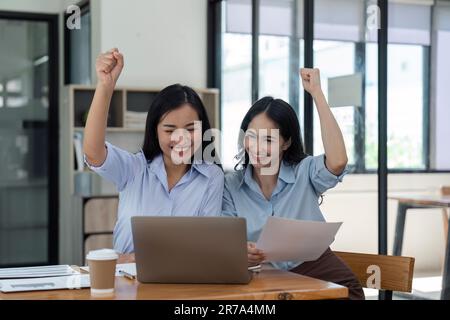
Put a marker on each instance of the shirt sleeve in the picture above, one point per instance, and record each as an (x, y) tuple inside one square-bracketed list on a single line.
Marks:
[(119, 167), (321, 178), (212, 201), (228, 207)]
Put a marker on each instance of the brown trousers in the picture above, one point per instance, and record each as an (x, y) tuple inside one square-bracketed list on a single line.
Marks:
[(330, 267)]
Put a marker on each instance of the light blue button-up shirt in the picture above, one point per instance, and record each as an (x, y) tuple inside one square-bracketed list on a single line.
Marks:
[(295, 196), (143, 190)]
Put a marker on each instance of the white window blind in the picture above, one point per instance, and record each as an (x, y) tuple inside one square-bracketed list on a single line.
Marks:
[(440, 115), (409, 23), (275, 17)]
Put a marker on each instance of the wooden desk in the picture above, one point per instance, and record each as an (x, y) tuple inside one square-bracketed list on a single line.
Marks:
[(421, 202), (428, 201), (269, 284)]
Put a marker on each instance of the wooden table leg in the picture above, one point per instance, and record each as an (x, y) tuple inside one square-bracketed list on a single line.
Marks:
[(445, 222), (399, 228), (445, 293)]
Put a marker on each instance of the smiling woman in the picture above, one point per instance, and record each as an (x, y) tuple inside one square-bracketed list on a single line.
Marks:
[(277, 178), (161, 179)]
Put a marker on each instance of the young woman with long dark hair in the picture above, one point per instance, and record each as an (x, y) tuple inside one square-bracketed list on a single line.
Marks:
[(164, 177), (275, 177)]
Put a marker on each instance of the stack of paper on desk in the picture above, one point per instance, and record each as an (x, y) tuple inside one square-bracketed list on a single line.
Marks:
[(37, 272), (50, 283), (296, 240), (41, 278)]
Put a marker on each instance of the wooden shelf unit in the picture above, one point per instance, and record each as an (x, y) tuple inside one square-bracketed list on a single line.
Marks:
[(131, 99)]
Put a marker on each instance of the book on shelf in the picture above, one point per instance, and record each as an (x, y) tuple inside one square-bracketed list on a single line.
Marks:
[(135, 120), (78, 148)]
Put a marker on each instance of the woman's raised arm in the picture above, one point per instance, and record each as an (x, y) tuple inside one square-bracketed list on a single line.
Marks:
[(108, 67), (333, 141)]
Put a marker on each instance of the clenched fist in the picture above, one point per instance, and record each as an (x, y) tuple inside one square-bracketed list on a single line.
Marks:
[(311, 80), (109, 66)]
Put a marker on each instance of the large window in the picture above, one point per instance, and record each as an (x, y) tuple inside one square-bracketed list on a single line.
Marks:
[(274, 66), (325, 53), (236, 90), (236, 75), (408, 84), (346, 51), (407, 103), (341, 38)]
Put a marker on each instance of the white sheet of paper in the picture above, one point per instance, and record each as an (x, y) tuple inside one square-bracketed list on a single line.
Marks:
[(129, 268), (37, 272), (296, 240)]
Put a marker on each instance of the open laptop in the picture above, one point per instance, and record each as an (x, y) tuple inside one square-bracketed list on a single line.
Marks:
[(190, 249)]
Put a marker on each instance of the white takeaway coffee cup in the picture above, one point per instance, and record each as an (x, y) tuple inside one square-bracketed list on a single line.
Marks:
[(102, 270)]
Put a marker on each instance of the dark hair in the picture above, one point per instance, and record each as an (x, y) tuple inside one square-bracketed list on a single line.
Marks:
[(169, 99), (285, 118)]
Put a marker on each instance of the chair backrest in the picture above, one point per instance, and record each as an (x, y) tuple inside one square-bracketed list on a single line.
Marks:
[(396, 272), (445, 190)]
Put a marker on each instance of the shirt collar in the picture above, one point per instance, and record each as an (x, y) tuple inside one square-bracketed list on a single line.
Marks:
[(157, 166), (202, 167)]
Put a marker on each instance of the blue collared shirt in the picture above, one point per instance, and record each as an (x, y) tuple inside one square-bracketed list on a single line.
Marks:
[(295, 196), (143, 190)]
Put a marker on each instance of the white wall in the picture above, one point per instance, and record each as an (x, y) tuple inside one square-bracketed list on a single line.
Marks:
[(355, 203), (164, 41)]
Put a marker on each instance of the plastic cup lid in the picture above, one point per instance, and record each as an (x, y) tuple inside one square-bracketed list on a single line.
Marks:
[(102, 254)]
